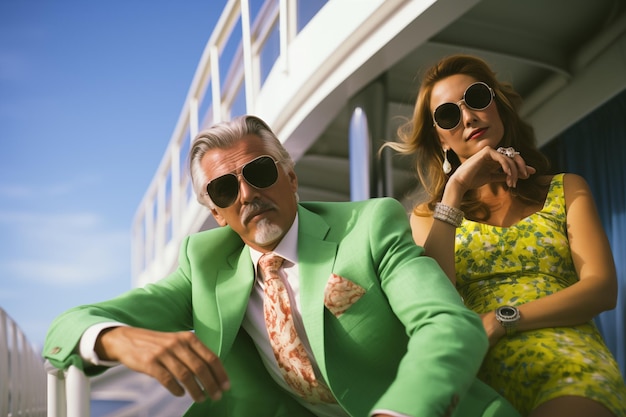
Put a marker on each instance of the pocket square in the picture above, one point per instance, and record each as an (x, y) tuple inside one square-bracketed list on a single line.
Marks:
[(340, 294)]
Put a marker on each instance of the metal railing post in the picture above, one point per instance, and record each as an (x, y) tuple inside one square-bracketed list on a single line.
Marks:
[(68, 393), (77, 393), (56, 394)]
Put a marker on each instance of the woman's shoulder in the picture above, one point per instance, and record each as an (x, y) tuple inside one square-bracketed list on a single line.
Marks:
[(565, 187), (568, 184), (565, 179), (421, 220), (422, 209), (574, 181), (575, 186)]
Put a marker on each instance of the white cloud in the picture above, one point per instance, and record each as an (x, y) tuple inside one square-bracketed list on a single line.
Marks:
[(77, 184)]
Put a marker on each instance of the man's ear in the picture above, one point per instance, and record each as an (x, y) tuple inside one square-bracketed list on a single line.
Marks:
[(218, 217), (293, 180)]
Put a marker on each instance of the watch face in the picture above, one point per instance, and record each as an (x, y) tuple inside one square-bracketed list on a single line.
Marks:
[(507, 312)]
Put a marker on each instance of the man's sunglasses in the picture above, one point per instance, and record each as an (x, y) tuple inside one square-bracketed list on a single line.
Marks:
[(478, 96), (260, 173)]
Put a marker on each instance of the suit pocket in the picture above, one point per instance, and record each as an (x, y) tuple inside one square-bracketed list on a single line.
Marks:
[(340, 294)]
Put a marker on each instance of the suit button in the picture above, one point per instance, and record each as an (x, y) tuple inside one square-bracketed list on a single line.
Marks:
[(55, 350)]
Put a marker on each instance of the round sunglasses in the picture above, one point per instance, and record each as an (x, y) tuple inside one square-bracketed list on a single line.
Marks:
[(260, 173), (477, 96)]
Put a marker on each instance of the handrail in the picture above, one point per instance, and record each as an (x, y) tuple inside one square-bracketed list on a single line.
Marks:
[(22, 375), (168, 210)]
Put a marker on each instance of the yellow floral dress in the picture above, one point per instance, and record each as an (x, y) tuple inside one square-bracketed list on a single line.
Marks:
[(511, 266)]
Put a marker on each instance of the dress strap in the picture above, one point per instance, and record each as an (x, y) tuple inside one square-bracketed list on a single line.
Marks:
[(555, 200)]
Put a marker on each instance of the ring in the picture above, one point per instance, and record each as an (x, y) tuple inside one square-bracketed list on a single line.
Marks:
[(510, 152)]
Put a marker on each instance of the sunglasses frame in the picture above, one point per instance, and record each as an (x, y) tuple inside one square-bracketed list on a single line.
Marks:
[(241, 175), (458, 105)]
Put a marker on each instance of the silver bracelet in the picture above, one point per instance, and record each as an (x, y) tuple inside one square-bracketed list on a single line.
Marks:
[(450, 215)]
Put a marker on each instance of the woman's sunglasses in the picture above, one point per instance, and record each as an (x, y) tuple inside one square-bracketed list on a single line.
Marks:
[(478, 96), (260, 173)]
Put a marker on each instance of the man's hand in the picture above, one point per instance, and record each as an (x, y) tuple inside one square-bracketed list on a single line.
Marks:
[(174, 359)]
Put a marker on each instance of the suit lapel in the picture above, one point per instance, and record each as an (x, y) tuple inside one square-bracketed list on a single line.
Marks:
[(232, 295), (316, 258)]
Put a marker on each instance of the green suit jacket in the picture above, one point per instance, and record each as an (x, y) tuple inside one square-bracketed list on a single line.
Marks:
[(407, 345)]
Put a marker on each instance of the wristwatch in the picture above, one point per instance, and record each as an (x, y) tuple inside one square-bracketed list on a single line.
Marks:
[(508, 316)]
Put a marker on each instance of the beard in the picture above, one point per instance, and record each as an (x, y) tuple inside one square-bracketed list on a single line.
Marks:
[(267, 233)]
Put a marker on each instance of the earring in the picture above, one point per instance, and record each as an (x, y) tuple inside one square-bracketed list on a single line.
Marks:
[(447, 167)]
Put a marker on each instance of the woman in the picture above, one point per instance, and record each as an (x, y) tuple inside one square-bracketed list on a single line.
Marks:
[(525, 249)]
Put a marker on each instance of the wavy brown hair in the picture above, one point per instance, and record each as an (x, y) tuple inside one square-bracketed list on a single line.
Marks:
[(418, 138)]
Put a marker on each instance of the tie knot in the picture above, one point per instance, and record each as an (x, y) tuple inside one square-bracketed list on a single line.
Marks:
[(269, 264)]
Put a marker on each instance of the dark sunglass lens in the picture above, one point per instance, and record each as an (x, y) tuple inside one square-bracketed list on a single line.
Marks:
[(261, 173), (223, 190), (478, 96), (448, 115)]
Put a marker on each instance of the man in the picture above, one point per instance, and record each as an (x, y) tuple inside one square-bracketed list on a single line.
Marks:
[(350, 320)]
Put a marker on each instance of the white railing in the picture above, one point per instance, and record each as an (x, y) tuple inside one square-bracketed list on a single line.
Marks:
[(169, 210), (22, 374), (68, 392)]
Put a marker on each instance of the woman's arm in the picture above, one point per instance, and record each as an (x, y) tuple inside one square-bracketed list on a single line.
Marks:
[(485, 167), (596, 290), (437, 238)]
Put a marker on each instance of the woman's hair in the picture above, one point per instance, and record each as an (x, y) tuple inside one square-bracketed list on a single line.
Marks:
[(225, 135), (418, 137)]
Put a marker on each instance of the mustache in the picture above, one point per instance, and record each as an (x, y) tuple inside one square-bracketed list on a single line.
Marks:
[(255, 207)]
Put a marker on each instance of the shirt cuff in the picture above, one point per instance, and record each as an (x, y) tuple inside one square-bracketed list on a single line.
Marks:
[(389, 413), (87, 345)]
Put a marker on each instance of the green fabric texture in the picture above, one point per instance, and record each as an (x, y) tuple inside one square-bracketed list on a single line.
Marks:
[(408, 344)]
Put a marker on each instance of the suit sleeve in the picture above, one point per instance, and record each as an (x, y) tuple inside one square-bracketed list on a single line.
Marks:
[(447, 341), (163, 306)]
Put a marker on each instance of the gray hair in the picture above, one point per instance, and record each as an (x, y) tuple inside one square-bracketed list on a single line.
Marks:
[(224, 135)]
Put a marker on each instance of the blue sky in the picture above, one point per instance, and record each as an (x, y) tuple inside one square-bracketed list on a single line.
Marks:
[(90, 93)]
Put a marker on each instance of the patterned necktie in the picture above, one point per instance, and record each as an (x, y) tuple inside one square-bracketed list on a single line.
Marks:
[(293, 361)]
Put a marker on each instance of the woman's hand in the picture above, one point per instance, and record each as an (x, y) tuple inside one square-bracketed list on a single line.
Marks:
[(489, 166)]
